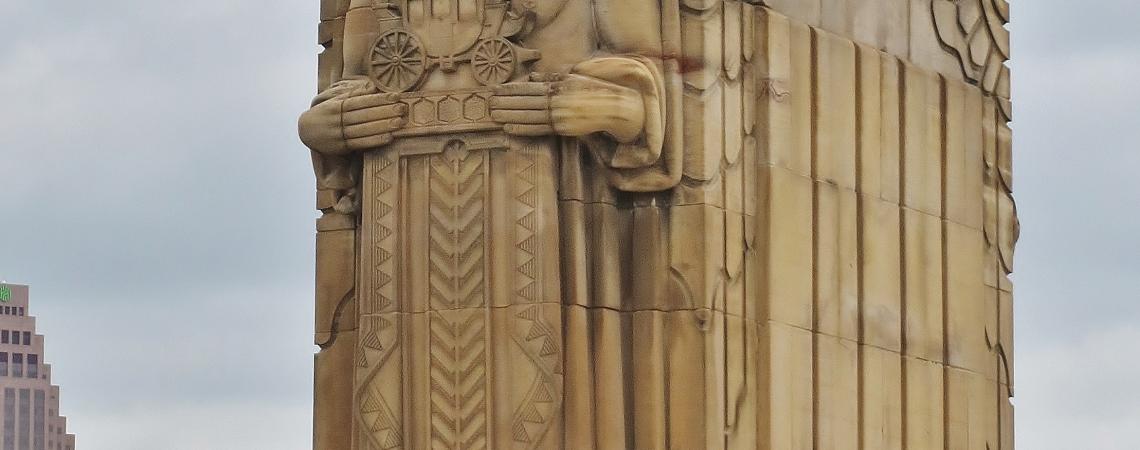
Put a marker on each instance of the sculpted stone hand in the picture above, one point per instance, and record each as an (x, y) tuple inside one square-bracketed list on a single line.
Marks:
[(350, 116), (583, 105), (577, 105)]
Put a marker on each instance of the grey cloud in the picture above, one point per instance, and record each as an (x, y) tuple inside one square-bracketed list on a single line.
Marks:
[(1077, 318), (154, 195)]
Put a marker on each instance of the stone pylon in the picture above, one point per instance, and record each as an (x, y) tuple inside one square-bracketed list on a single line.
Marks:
[(650, 224)]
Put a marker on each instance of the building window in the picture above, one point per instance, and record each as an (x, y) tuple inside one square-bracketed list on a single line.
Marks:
[(24, 434), (9, 419), (33, 366), (18, 365), (3, 364), (27, 338), (8, 310), (38, 403), (4, 337)]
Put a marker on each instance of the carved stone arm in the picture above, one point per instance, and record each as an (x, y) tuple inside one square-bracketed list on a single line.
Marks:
[(643, 163), (616, 105), (350, 116)]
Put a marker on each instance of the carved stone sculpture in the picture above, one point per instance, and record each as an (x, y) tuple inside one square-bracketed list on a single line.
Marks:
[(662, 224)]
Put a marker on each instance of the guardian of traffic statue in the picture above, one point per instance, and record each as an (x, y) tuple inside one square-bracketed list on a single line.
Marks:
[(512, 155)]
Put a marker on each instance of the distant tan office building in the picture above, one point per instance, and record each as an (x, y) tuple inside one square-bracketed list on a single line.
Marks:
[(30, 409)]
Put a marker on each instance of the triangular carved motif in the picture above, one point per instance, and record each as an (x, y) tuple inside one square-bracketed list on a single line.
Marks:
[(531, 415), (548, 348), (535, 332), (543, 395), (527, 245), (528, 222), (528, 292), (528, 269), (383, 232), (528, 314), (520, 433), (528, 198), (361, 358), (370, 405)]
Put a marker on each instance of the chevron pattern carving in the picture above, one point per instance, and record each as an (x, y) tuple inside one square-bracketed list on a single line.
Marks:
[(458, 380), (456, 229)]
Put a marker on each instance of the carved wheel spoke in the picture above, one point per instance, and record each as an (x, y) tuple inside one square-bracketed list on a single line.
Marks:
[(494, 61), (398, 61)]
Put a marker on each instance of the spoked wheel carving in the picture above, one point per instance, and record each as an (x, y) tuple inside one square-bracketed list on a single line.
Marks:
[(398, 61), (494, 62)]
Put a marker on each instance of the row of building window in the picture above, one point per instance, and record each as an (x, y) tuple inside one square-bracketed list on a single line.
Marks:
[(17, 368), (13, 310), (13, 337), (28, 431)]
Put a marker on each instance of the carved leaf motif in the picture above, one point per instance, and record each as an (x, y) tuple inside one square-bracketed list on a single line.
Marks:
[(975, 31), (456, 229), (458, 381)]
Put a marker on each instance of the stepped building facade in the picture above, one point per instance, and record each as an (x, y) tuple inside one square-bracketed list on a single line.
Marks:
[(29, 413)]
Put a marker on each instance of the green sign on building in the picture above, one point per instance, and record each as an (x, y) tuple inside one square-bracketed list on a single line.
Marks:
[(5, 294)]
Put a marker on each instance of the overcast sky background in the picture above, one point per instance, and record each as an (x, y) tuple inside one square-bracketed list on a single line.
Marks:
[(154, 195)]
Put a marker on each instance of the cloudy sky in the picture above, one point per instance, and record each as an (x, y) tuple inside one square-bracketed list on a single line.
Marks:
[(153, 193)]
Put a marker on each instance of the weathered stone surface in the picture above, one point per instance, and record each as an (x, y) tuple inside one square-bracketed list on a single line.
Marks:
[(880, 401), (922, 265), (837, 393), (923, 408), (881, 266), (601, 224), (965, 291), (881, 24), (785, 247), (786, 388)]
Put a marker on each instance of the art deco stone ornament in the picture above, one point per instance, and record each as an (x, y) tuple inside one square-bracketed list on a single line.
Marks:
[(662, 224)]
